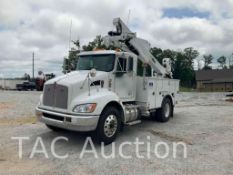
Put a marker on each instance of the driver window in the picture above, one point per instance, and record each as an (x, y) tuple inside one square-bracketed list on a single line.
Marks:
[(130, 64), (121, 64)]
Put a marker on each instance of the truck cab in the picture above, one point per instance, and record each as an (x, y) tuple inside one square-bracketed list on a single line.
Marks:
[(104, 82)]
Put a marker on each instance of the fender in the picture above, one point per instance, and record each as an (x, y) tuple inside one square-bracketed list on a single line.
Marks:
[(170, 97)]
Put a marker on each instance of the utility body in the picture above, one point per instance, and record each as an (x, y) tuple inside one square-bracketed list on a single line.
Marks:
[(110, 89)]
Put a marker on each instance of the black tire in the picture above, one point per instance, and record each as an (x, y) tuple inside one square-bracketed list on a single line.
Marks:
[(54, 128), (162, 115), (104, 120)]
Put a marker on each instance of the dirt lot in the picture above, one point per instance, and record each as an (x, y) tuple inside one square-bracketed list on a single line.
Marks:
[(204, 121)]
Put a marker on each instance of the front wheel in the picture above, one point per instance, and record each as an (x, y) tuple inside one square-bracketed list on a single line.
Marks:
[(108, 126), (165, 112)]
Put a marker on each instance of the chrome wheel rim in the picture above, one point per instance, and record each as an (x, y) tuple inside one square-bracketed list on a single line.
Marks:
[(110, 125), (167, 110)]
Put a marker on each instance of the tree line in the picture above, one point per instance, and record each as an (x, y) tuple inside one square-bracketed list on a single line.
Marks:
[(222, 61), (182, 60)]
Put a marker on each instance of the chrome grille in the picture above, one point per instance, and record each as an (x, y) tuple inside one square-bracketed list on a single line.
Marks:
[(55, 96), (48, 97), (61, 96)]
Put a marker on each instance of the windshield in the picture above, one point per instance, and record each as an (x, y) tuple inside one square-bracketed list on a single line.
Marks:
[(99, 62)]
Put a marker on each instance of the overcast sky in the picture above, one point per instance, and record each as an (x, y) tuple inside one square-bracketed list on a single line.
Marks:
[(43, 27)]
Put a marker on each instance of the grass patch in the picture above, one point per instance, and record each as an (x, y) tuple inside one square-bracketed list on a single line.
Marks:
[(186, 89)]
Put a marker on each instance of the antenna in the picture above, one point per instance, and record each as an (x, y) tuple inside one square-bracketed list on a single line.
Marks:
[(128, 17), (79, 46), (230, 59), (70, 33)]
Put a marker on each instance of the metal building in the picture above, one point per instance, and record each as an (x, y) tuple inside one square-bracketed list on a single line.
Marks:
[(215, 80)]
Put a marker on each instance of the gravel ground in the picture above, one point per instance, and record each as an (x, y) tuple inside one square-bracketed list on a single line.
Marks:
[(203, 121)]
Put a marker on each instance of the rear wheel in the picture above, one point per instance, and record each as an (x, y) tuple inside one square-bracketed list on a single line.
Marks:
[(108, 126), (165, 112)]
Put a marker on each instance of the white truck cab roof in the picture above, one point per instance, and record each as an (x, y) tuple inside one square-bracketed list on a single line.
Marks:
[(100, 52), (97, 52)]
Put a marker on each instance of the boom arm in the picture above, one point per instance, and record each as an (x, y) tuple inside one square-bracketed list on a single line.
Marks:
[(126, 40)]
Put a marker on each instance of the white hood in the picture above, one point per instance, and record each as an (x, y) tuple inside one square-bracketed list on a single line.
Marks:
[(73, 84), (76, 77)]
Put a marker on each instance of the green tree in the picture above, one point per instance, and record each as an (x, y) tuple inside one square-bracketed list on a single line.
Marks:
[(69, 63), (182, 63), (169, 54), (222, 61), (208, 60), (183, 66), (190, 55), (157, 53), (97, 43)]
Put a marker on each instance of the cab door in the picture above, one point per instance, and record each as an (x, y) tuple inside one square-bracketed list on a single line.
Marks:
[(125, 83)]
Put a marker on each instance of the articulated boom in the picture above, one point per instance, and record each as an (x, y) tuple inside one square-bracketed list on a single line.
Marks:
[(128, 41)]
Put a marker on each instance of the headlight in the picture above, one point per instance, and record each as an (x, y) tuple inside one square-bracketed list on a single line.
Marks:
[(85, 108)]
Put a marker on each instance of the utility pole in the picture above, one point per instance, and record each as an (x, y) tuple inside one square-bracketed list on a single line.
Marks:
[(33, 65), (230, 60)]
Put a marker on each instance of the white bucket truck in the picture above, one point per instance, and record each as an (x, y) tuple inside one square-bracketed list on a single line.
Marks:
[(110, 89)]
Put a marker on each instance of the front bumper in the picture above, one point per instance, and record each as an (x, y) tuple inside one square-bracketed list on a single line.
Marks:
[(67, 121)]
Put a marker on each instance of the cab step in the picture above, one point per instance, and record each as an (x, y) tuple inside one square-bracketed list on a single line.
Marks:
[(133, 122)]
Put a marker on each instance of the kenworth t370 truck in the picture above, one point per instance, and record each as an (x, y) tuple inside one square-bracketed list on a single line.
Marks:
[(110, 88)]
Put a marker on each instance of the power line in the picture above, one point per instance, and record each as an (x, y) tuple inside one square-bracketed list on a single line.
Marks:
[(128, 17)]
